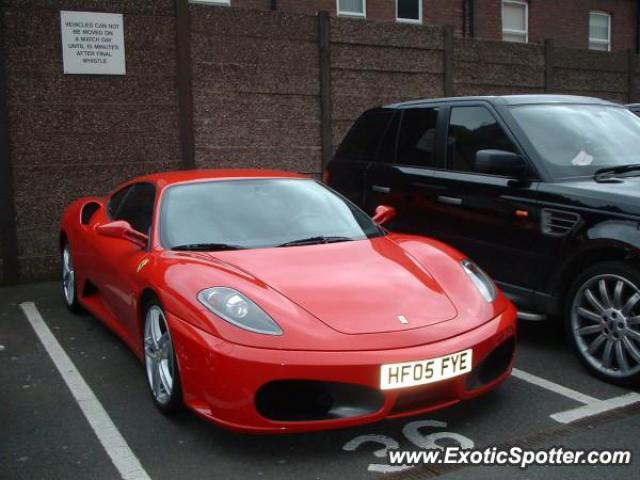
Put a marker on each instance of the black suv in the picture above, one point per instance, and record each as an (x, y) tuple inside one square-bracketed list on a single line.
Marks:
[(542, 191)]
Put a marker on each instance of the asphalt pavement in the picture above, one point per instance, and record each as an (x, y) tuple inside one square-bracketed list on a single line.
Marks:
[(44, 433)]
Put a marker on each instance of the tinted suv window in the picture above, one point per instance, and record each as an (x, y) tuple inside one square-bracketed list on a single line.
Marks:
[(472, 129), (363, 140), (137, 207), (418, 137)]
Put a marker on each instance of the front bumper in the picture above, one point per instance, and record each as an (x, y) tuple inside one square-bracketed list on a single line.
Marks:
[(226, 383)]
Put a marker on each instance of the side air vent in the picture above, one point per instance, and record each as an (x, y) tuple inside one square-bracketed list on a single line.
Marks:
[(558, 223), (87, 212)]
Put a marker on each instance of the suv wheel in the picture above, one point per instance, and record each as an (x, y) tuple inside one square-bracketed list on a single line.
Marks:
[(603, 321)]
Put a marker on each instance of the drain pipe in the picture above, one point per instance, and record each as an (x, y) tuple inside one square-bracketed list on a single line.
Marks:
[(468, 18)]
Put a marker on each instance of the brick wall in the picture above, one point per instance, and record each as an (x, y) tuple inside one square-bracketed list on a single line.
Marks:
[(566, 21), (495, 68), (75, 135), (374, 64), (256, 91), (584, 72)]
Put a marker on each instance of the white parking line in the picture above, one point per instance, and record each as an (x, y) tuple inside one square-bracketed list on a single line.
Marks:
[(554, 387), (113, 442), (592, 406), (596, 408)]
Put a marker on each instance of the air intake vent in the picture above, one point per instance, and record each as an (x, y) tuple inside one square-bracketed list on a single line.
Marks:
[(558, 223)]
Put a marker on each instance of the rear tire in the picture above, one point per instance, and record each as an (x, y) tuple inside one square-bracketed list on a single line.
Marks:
[(69, 281), (161, 367), (602, 318)]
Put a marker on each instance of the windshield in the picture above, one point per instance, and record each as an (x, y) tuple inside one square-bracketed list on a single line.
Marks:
[(577, 140), (258, 213)]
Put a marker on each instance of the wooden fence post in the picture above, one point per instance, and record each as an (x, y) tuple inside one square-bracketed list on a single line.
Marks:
[(184, 83), (448, 79), (631, 76), (8, 227), (326, 104), (548, 66)]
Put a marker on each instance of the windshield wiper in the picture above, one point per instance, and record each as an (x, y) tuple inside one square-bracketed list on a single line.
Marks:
[(315, 240), (604, 173), (205, 247)]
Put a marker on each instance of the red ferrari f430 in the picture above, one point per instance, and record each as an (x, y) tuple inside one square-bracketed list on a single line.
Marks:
[(266, 302)]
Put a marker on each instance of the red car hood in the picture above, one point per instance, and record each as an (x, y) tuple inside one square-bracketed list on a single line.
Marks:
[(357, 287)]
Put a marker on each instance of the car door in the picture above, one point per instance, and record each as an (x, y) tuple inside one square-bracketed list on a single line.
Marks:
[(347, 171), (118, 259), (490, 217), (403, 180)]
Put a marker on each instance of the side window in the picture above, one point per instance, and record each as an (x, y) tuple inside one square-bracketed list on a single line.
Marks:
[(137, 208), (472, 129), (362, 141), (115, 201), (387, 150), (418, 137)]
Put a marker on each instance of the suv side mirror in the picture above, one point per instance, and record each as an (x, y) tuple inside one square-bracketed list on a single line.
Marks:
[(123, 230), (383, 214), (500, 162)]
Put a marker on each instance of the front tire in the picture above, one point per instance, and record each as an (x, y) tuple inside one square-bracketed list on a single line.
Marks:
[(69, 282), (603, 321), (161, 367)]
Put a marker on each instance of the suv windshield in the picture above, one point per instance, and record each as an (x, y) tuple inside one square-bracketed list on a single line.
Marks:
[(235, 214), (578, 140)]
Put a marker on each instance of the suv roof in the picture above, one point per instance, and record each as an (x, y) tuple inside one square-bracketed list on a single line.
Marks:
[(509, 100)]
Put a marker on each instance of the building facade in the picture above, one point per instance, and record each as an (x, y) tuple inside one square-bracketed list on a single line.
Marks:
[(608, 25)]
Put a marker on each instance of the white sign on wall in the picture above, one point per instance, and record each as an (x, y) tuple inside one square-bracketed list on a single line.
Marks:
[(92, 43)]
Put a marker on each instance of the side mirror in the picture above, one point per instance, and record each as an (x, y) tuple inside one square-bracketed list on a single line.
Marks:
[(383, 214), (122, 229), (500, 162)]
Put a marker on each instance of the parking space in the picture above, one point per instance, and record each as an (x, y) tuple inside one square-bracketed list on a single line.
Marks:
[(45, 434)]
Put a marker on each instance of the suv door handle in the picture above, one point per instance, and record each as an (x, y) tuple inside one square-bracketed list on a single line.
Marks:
[(380, 189), (449, 200)]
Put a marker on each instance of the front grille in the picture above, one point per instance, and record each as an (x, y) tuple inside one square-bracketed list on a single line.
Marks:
[(493, 366)]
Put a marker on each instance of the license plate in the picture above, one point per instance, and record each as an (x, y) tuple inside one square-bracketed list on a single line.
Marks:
[(421, 372)]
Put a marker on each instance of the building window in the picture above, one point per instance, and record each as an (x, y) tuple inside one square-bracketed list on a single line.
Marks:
[(352, 8), (515, 21), (600, 31), (409, 11)]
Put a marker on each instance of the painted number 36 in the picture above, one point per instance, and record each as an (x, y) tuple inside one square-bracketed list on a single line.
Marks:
[(412, 431)]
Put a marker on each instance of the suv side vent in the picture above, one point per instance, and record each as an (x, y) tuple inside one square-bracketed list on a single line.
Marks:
[(558, 223)]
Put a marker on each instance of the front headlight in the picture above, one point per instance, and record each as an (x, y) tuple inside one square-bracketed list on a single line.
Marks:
[(235, 308), (481, 280)]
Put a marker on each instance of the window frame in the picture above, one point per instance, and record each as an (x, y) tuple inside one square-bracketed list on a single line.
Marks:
[(342, 13), (531, 173), (524, 3), (439, 139), (411, 20), (600, 41), (131, 187), (111, 215)]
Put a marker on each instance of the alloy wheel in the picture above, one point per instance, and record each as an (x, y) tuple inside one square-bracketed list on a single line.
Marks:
[(68, 276), (605, 323), (159, 359)]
